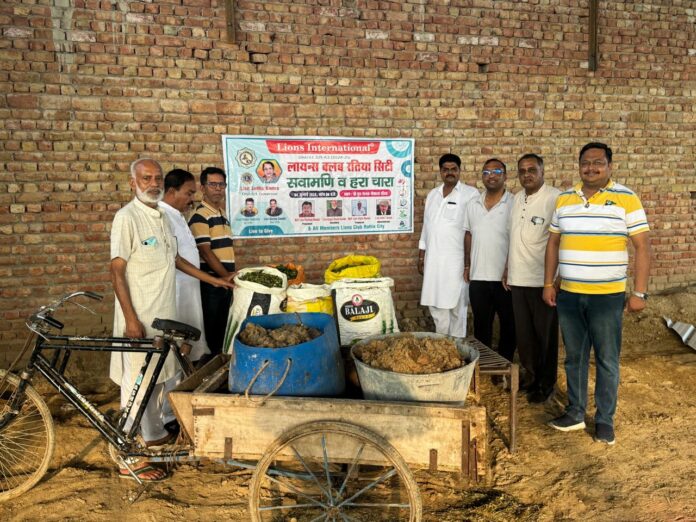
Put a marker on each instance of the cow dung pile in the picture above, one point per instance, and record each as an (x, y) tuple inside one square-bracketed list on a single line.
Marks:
[(286, 335), (411, 354)]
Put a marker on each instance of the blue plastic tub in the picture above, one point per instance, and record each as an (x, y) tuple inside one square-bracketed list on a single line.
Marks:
[(314, 368)]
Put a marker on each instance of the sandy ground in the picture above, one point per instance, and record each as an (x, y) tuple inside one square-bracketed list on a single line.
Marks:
[(649, 475)]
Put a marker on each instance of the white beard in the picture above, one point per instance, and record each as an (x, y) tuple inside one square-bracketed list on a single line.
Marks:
[(147, 198)]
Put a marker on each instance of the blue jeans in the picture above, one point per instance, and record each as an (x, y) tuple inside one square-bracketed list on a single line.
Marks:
[(591, 321)]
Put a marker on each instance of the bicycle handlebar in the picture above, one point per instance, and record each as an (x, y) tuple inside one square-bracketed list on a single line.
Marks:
[(43, 314), (48, 319)]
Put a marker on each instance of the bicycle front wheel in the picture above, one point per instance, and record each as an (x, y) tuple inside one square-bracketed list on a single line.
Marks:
[(27, 440)]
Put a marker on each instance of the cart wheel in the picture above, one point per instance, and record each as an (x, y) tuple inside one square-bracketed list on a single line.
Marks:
[(26, 442), (334, 471)]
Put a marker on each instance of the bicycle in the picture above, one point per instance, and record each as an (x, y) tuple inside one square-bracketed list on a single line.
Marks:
[(312, 458), (27, 437)]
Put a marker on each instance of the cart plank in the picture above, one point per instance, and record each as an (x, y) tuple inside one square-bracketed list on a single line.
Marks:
[(180, 397), (231, 426)]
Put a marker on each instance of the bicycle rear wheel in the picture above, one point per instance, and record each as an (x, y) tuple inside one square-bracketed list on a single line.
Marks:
[(26, 442)]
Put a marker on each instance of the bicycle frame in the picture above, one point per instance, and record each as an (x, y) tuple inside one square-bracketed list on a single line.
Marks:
[(53, 368)]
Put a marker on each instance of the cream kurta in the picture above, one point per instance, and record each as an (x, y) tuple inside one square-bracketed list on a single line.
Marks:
[(442, 238), (189, 308), (141, 236)]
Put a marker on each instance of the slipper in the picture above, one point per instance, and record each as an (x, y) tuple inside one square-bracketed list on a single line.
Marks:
[(144, 470)]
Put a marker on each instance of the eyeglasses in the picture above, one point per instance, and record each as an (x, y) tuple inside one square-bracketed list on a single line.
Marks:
[(598, 164), (216, 185), (531, 170), (494, 172)]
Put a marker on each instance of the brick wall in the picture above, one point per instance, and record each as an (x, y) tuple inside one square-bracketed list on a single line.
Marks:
[(87, 86)]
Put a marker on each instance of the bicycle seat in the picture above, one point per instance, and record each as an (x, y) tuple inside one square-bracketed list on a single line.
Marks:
[(175, 327)]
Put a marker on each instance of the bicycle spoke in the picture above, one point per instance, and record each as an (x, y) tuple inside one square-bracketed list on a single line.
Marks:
[(320, 517), (289, 506), (350, 470), (299, 457), (12, 446), (3, 471), (293, 489), (18, 442), (326, 466), (374, 483), (376, 504)]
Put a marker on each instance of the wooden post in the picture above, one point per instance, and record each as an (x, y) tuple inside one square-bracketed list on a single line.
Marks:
[(593, 56), (231, 22)]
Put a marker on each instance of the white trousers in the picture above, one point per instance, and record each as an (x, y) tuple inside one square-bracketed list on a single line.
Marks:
[(452, 321), (169, 385), (152, 421)]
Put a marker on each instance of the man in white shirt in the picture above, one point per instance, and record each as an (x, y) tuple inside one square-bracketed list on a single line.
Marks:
[(486, 243), (441, 250), (536, 323)]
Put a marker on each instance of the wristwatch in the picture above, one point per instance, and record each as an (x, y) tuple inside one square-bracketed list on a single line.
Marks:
[(641, 295)]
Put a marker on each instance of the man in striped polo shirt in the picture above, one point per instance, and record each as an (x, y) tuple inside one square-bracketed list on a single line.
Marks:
[(211, 229), (589, 233)]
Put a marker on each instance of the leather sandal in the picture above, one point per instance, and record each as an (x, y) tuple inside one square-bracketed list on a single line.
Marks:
[(146, 473)]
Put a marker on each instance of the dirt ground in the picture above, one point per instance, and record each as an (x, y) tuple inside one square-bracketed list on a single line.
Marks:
[(649, 475)]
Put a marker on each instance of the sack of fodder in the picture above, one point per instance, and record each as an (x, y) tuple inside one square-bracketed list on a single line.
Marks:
[(257, 291), (352, 266), (309, 298), (363, 307)]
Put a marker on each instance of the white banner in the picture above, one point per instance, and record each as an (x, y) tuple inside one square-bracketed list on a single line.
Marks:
[(314, 186)]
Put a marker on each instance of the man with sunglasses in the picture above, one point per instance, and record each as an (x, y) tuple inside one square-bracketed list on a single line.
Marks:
[(536, 323), (211, 229), (487, 225), (590, 230)]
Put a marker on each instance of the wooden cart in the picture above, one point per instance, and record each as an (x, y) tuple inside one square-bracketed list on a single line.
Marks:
[(337, 453)]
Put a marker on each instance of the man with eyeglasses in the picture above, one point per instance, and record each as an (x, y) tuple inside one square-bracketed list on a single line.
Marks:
[(441, 250), (211, 229), (590, 230), (536, 323), (486, 244)]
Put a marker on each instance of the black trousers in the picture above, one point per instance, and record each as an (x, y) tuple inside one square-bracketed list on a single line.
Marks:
[(489, 298), (536, 324), (216, 306)]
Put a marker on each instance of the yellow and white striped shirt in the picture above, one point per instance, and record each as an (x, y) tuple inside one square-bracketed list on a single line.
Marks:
[(594, 232)]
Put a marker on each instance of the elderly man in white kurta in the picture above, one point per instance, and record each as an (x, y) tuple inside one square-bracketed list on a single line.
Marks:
[(441, 250), (143, 257), (143, 270)]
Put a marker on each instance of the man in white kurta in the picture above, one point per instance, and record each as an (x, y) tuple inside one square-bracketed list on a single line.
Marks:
[(441, 250), (179, 189), (144, 261), (143, 255)]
